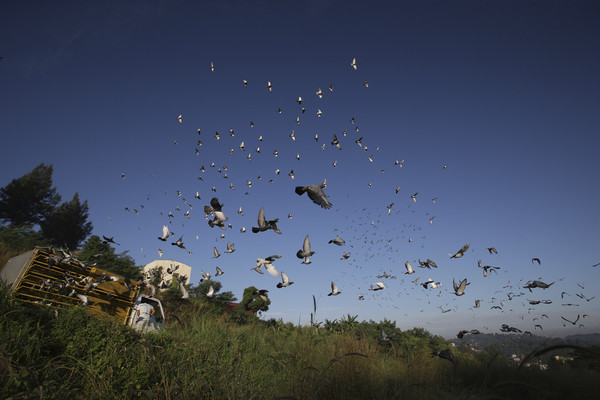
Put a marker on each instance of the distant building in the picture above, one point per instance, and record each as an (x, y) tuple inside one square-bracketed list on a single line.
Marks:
[(165, 270)]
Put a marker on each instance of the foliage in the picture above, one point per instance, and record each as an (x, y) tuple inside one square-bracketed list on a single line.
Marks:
[(71, 354), (28, 200), (94, 251), (17, 240), (66, 225), (252, 303)]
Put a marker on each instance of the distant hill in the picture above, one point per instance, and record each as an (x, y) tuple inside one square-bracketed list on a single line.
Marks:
[(511, 343)]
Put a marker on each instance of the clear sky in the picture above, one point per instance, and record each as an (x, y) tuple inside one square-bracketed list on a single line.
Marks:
[(504, 94)]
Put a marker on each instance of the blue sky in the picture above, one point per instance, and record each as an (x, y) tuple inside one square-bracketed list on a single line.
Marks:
[(503, 93)]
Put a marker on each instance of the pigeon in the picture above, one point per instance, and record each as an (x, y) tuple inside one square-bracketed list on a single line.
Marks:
[(219, 272), (334, 290), (414, 197), (337, 241), (268, 264), (477, 303), (108, 240), (345, 256), (216, 253), (269, 86), (179, 243), (459, 289), (230, 248), (184, 292), (460, 252), (285, 281), (506, 328), (305, 252), (316, 194), (179, 118), (377, 286), (385, 337), (165, 234), (211, 291), (215, 209), (571, 322), (86, 301), (492, 250), (335, 142), (537, 284), (535, 259), (409, 268), (264, 224), (353, 64), (262, 294), (445, 354), (205, 276)]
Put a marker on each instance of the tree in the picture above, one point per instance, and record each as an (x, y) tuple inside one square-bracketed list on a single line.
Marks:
[(67, 225), (104, 256), (29, 199), (252, 301)]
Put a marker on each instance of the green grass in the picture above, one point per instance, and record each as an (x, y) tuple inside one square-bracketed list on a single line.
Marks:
[(71, 354)]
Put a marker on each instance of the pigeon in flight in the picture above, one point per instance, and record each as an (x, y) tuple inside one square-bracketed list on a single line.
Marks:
[(334, 290), (216, 253), (460, 252), (385, 337), (285, 281), (165, 234), (445, 354), (305, 252), (409, 268), (108, 240), (337, 241), (219, 272), (264, 224), (335, 142), (211, 291), (268, 264), (353, 64), (537, 284), (377, 286), (459, 289), (215, 209), (316, 194), (535, 259), (179, 243)]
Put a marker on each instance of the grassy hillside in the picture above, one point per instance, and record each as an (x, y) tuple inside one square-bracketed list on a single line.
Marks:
[(205, 354)]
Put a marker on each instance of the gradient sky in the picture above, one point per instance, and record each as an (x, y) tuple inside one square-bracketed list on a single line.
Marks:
[(506, 94)]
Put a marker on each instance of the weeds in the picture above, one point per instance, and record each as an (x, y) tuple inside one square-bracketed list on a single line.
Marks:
[(204, 354)]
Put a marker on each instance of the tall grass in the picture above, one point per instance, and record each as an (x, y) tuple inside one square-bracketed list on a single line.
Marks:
[(71, 354)]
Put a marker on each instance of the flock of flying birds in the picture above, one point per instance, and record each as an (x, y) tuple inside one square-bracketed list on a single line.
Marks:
[(361, 233)]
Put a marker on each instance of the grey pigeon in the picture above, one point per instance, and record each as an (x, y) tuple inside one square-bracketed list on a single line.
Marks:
[(264, 224), (315, 193), (305, 252)]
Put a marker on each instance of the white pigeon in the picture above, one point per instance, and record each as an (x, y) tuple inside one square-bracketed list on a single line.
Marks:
[(377, 286), (184, 292), (409, 268), (165, 234), (353, 64), (211, 291)]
